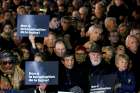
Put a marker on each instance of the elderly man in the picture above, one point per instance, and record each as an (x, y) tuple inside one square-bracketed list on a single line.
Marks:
[(100, 73)]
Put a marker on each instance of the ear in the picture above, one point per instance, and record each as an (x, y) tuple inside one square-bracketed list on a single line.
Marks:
[(116, 64), (89, 54), (62, 61)]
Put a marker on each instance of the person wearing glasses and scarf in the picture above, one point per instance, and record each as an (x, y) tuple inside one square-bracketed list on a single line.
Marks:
[(11, 74)]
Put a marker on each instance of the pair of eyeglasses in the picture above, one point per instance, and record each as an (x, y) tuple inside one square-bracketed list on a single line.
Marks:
[(7, 62)]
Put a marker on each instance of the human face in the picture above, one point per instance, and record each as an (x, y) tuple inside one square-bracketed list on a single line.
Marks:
[(80, 56), (39, 46), (16, 2), (75, 14), (111, 25), (118, 2), (55, 23), (121, 64), (69, 62), (17, 39), (114, 37), (4, 5), (7, 66), (122, 30), (38, 59), (95, 58), (50, 41), (65, 24), (107, 54), (7, 29), (75, 4), (120, 49), (60, 49), (133, 44), (26, 53), (42, 86), (22, 11), (95, 35), (98, 11), (60, 2), (82, 14), (7, 16)]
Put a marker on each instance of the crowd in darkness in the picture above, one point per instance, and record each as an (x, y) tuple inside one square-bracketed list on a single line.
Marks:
[(90, 39)]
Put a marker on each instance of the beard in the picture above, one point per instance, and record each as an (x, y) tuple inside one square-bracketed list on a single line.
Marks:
[(95, 62)]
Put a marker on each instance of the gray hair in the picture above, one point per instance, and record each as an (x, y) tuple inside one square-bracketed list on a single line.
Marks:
[(96, 26), (128, 39)]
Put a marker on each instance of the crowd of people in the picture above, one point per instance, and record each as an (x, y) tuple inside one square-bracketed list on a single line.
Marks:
[(96, 42)]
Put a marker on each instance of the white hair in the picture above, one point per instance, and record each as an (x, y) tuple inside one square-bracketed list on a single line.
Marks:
[(93, 27)]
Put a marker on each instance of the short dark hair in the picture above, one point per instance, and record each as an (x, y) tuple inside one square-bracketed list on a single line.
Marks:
[(80, 47), (42, 55), (7, 23), (68, 54)]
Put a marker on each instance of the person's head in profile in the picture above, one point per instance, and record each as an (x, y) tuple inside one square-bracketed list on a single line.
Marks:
[(65, 23)]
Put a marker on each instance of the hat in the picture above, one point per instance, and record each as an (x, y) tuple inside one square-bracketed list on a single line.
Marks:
[(95, 48)]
